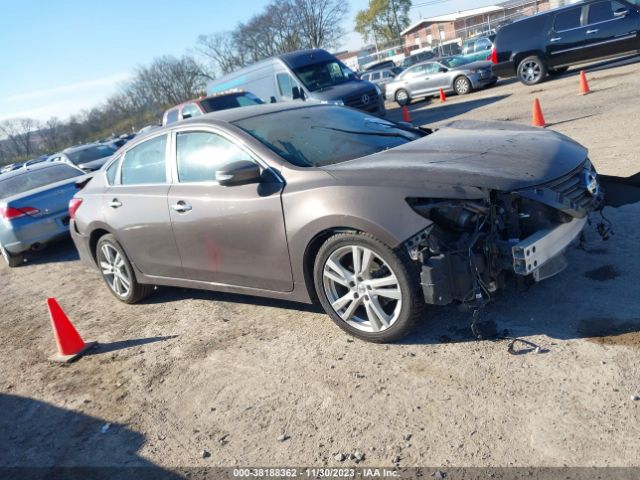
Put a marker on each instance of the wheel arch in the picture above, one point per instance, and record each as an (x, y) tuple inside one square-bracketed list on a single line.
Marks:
[(518, 57)]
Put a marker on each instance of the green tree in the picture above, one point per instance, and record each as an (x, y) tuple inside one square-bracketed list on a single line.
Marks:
[(383, 20)]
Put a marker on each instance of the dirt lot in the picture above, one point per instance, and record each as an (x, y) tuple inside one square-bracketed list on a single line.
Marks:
[(188, 371)]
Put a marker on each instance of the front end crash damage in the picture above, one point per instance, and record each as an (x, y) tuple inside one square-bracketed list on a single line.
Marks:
[(474, 247)]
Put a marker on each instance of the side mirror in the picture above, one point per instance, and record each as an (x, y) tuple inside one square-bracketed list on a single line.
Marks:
[(186, 115), (238, 173), (444, 70), (297, 93), (272, 100)]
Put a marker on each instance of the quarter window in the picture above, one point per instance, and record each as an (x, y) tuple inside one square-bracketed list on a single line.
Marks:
[(201, 154), (483, 44), (190, 110), (285, 85), (111, 172), (568, 19), (145, 163)]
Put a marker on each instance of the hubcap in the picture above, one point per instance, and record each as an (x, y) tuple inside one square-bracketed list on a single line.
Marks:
[(114, 270), (461, 86), (530, 71), (402, 95), (362, 289)]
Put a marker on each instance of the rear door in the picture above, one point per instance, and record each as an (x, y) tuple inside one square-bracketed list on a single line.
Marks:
[(567, 38), (232, 235), (612, 28), (135, 207)]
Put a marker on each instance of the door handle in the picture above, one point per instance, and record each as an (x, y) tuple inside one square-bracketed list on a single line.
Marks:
[(590, 32), (115, 203), (182, 207), (556, 39)]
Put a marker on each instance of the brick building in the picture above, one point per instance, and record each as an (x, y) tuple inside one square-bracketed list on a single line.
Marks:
[(458, 26)]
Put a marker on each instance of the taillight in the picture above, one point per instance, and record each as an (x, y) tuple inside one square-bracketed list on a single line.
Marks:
[(9, 213), (494, 55), (74, 204)]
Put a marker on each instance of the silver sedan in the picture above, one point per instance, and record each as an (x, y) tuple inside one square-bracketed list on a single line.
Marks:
[(452, 74)]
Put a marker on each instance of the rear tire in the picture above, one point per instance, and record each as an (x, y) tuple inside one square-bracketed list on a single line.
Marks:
[(462, 85), (117, 271), (11, 259), (532, 70), (377, 297)]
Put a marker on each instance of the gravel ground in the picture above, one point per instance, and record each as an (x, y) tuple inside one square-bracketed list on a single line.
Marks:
[(192, 378)]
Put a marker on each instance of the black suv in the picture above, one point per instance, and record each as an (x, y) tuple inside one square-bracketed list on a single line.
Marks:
[(550, 42)]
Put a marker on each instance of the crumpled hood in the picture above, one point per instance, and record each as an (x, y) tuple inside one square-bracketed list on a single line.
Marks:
[(494, 155)]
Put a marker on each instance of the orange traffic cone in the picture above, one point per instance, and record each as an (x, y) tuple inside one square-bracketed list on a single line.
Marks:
[(443, 96), (584, 84), (538, 117), (69, 341), (405, 114)]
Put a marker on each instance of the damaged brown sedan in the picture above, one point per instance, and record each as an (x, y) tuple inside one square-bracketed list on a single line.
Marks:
[(372, 219)]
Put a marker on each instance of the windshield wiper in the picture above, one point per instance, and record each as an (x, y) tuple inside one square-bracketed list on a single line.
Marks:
[(373, 134)]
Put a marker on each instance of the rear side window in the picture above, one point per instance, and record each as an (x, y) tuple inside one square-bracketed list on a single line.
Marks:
[(568, 19), (31, 179), (201, 154), (375, 76), (145, 163), (483, 44)]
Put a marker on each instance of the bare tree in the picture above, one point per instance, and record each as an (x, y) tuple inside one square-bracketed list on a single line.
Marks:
[(18, 132), (320, 21)]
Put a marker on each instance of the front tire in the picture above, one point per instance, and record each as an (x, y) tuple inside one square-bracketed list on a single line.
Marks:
[(462, 86), (368, 289), (532, 70), (11, 259), (117, 272), (403, 98)]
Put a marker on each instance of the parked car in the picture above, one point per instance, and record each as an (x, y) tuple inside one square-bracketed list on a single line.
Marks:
[(302, 202), (34, 204), (212, 103), (478, 49), (11, 167), (304, 75), (550, 42), (422, 56), (382, 77), (88, 157), (452, 74), (379, 65)]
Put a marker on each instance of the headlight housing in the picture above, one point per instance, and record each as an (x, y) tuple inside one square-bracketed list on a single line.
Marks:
[(457, 215)]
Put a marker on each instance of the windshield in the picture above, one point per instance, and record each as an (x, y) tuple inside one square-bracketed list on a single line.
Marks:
[(225, 102), (89, 154), (325, 135), (453, 62), (32, 179), (320, 76)]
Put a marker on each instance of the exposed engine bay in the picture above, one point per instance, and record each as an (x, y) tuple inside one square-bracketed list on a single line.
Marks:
[(474, 247)]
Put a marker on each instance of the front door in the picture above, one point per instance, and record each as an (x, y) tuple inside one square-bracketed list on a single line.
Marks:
[(612, 28), (567, 39), (232, 235), (135, 207)]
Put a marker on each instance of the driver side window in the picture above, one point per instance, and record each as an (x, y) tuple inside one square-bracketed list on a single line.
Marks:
[(201, 154)]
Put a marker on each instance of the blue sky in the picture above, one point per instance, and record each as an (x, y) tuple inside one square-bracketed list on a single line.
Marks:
[(59, 57)]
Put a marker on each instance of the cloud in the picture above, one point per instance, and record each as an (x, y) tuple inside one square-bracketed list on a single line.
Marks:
[(72, 87)]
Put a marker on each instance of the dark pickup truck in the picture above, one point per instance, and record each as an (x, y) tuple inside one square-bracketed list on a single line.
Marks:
[(550, 42)]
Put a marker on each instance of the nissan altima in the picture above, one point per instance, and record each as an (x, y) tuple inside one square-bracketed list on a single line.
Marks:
[(372, 219)]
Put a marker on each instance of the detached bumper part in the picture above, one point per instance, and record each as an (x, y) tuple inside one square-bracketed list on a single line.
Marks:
[(541, 254)]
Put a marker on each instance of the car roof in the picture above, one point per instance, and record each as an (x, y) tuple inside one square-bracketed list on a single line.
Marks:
[(34, 167), (305, 57)]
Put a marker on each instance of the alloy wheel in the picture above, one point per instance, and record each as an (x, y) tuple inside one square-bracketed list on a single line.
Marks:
[(362, 288), (114, 270), (462, 86), (530, 71)]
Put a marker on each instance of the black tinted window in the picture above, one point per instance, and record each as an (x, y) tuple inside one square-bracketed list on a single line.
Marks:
[(568, 19), (317, 136), (30, 179), (89, 154), (145, 163), (201, 154), (603, 11)]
